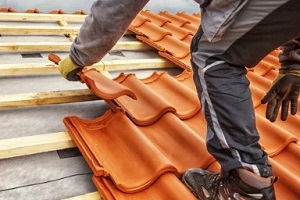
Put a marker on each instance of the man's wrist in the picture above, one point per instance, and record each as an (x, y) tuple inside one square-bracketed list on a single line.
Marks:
[(69, 69), (290, 71)]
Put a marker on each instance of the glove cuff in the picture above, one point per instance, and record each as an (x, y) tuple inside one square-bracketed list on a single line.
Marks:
[(66, 66), (292, 72), (282, 73)]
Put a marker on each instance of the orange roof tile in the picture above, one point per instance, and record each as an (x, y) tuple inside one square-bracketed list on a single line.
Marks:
[(103, 86), (144, 146), (175, 19), (154, 18), (7, 10)]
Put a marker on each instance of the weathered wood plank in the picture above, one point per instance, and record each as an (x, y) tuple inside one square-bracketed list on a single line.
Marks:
[(64, 46), (110, 65), (41, 30), (28, 69), (45, 98), (152, 63), (35, 47), (41, 17), (28, 145), (131, 46), (37, 30)]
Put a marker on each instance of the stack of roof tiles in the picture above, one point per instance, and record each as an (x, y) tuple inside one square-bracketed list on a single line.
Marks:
[(155, 129)]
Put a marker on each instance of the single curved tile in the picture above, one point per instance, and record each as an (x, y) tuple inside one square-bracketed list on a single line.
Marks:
[(104, 87), (176, 31), (155, 18), (153, 32), (148, 107), (193, 19), (184, 100), (139, 20), (175, 19), (180, 144)]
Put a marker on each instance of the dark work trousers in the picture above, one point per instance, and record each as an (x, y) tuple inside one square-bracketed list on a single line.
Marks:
[(223, 88)]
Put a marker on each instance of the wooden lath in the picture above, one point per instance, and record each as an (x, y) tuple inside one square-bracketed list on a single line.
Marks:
[(37, 30), (64, 29), (64, 46), (41, 17), (110, 65), (29, 145), (45, 98)]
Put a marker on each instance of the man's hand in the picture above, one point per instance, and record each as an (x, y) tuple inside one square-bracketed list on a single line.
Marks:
[(69, 70), (284, 93)]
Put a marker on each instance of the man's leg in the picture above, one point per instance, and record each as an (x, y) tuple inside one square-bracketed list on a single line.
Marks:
[(220, 77)]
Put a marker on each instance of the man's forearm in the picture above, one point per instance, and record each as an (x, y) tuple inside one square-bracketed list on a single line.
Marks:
[(102, 28)]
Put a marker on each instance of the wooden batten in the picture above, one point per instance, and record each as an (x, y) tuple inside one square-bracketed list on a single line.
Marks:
[(64, 46), (40, 30), (138, 64), (22, 146), (110, 65), (37, 30), (45, 98), (41, 17), (27, 69)]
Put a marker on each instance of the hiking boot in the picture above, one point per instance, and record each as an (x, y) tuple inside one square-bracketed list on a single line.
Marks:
[(206, 185)]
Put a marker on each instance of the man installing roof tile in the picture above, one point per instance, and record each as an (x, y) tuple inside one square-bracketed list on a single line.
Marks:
[(233, 34)]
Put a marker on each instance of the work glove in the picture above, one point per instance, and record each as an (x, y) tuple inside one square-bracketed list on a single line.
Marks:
[(286, 87), (69, 70), (283, 93)]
